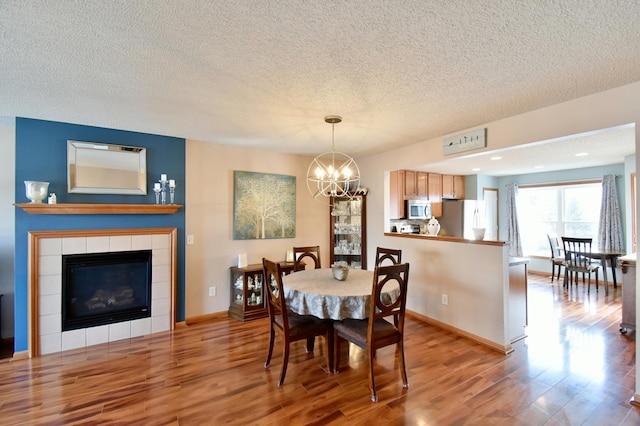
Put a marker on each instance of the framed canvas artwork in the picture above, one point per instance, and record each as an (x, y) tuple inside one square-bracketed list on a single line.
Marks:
[(264, 206)]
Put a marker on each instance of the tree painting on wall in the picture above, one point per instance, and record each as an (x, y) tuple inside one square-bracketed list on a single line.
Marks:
[(264, 206)]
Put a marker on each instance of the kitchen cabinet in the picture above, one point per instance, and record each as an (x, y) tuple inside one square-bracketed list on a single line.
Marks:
[(348, 222), (434, 192), (415, 184), (247, 293), (453, 187), (410, 186), (518, 317), (422, 186), (628, 265), (396, 195)]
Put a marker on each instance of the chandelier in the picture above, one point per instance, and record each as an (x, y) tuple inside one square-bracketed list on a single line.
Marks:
[(333, 174)]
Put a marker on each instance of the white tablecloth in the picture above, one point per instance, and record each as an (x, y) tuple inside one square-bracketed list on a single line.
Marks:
[(315, 292)]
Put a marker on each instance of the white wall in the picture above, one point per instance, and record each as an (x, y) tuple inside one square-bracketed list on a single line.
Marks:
[(209, 217), (7, 224)]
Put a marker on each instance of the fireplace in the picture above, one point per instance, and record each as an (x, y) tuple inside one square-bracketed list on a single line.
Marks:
[(105, 288), (45, 285)]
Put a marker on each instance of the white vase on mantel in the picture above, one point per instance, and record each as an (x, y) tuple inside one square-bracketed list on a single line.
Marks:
[(433, 227)]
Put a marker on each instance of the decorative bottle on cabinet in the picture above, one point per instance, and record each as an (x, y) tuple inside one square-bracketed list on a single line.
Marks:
[(348, 230)]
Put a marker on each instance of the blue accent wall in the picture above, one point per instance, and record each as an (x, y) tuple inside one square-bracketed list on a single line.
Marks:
[(41, 154)]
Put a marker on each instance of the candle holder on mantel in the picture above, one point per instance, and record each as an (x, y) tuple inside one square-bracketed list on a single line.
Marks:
[(160, 188), (172, 192), (156, 189)]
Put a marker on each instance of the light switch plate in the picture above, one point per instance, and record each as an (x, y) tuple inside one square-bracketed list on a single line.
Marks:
[(474, 139)]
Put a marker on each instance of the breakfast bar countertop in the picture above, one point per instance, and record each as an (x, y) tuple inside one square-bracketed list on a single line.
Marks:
[(444, 238)]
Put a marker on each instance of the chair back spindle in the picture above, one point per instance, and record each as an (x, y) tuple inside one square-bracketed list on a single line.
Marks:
[(308, 252), (386, 255)]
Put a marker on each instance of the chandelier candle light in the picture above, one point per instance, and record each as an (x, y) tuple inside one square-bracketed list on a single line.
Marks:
[(333, 174)]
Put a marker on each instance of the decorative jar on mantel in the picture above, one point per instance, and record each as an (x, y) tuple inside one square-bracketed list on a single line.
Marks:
[(36, 191)]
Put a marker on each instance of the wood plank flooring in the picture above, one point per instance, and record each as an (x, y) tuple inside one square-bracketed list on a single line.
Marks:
[(573, 368)]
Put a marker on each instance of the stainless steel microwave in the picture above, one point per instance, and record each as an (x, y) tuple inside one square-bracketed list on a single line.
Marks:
[(418, 209)]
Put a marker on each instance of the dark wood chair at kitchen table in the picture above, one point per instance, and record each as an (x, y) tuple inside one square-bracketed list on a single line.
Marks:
[(300, 253), (557, 258), (376, 332), (289, 325), (577, 257), (385, 254)]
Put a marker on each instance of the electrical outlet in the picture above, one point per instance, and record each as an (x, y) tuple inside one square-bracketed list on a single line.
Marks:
[(212, 291), (189, 239), (445, 299)]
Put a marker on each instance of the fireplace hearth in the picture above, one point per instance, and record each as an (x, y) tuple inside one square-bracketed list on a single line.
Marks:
[(105, 288)]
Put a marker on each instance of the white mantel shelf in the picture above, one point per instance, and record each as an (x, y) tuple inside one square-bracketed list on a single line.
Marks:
[(72, 208)]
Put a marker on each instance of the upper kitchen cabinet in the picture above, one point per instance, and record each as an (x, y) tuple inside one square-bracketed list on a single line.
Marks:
[(411, 184), (453, 187), (396, 194), (435, 193), (415, 184)]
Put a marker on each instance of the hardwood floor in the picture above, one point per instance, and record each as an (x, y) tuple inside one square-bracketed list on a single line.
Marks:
[(573, 368)]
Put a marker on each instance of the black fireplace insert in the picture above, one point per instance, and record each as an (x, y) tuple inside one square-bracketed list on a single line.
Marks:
[(105, 288)]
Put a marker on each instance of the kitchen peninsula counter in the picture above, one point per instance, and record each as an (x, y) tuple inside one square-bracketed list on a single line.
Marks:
[(444, 238), (463, 286)]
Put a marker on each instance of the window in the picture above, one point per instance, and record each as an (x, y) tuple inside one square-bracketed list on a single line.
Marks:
[(564, 210)]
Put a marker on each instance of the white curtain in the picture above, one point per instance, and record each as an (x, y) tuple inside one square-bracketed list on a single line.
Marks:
[(513, 229), (610, 228)]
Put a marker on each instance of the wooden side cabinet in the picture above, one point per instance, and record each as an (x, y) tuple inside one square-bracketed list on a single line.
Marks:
[(247, 292)]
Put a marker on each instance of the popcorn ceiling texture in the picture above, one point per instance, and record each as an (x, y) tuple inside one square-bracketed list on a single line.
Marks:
[(265, 73)]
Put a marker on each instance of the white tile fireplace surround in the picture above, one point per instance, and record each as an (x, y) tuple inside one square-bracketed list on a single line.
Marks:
[(45, 287)]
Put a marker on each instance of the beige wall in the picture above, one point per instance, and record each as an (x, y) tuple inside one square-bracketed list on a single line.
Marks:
[(209, 218), (7, 224), (601, 110), (209, 215)]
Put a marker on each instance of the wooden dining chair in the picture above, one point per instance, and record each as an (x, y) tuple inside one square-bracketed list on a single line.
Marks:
[(557, 258), (376, 332), (577, 257), (300, 253), (289, 325), (392, 255)]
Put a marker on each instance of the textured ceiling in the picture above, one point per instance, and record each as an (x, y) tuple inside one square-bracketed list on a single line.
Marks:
[(265, 73)]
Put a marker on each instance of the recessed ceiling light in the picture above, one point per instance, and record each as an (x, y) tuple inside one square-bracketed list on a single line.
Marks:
[(582, 154), (496, 158), (538, 167), (475, 169)]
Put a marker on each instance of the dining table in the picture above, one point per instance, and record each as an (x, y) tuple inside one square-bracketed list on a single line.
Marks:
[(605, 256), (316, 292)]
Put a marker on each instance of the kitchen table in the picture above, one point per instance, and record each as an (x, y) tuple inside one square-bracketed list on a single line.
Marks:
[(315, 292), (607, 256)]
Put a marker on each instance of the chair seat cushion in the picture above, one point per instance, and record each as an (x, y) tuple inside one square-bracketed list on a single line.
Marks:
[(304, 324), (591, 267), (356, 330)]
